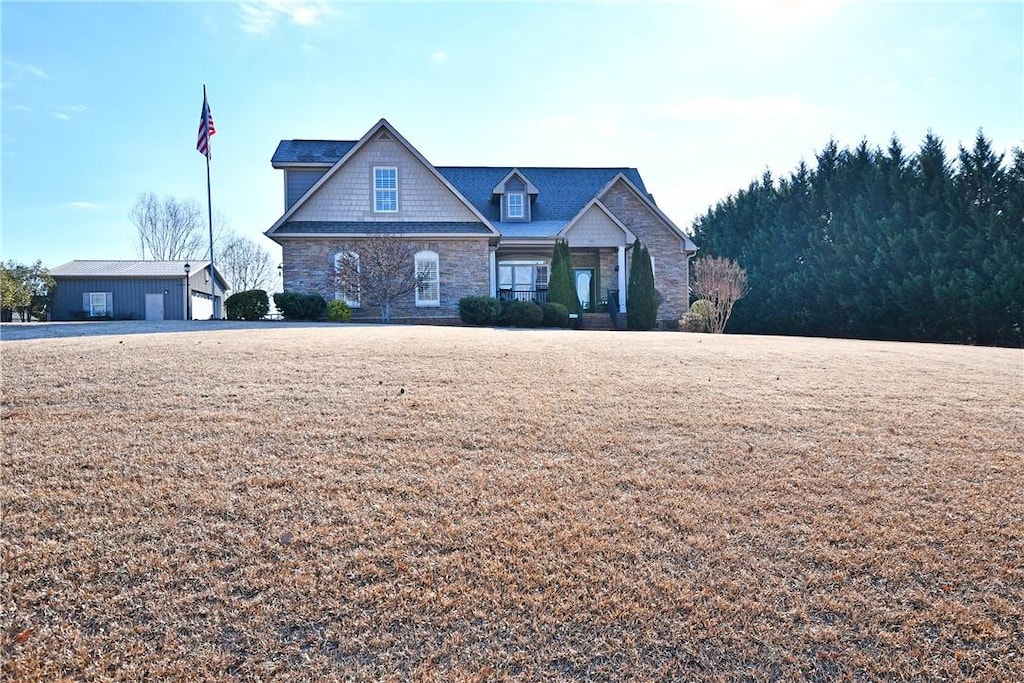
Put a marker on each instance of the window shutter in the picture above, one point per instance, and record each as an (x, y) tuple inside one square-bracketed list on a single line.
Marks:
[(86, 302), (109, 303)]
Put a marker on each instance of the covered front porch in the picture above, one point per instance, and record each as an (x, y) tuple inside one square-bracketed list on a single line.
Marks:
[(521, 273), (520, 264)]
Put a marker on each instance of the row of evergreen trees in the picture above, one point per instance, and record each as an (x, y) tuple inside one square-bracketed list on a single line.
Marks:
[(882, 245)]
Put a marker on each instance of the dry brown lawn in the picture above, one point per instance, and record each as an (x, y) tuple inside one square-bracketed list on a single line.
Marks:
[(374, 503)]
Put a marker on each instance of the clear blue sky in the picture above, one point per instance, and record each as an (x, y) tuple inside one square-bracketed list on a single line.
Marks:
[(101, 101)]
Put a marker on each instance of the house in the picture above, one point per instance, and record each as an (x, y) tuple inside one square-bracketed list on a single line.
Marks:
[(475, 230), (137, 290)]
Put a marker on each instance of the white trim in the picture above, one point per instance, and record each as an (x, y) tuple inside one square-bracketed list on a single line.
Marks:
[(687, 244), (428, 256), (406, 235), (500, 187), (492, 263), (370, 134), (522, 204), (376, 204), (630, 237)]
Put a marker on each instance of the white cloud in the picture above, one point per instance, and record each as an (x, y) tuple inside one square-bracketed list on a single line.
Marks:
[(28, 69), (85, 206), (62, 117), (439, 57), (78, 107), (261, 16), (21, 107)]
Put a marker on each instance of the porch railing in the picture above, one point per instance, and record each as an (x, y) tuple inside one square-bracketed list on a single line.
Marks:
[(538, 296)]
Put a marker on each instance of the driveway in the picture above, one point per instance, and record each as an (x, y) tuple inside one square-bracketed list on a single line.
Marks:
[(22, 331)]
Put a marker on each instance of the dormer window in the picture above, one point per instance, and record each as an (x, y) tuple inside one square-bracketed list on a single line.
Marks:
[(515, 195), (516, 205)]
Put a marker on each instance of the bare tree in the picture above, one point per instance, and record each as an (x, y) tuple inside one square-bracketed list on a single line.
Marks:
[(721, 282), (172, 229), (378, 272), (245, 264)]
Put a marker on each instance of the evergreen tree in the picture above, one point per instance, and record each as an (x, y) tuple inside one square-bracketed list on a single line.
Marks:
[(641, 299), (561, 288), (875, 243)]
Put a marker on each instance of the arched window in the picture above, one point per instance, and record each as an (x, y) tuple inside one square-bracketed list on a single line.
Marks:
[(347, 275), (428, 280)]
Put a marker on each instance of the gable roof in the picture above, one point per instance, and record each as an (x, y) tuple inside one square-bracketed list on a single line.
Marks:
[(350, 153), (646, 198), (595, 203), (310, 152), (562, 191), (515, 172), (133, 269)]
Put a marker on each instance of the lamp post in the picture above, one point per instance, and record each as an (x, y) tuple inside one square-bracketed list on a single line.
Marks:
[(188, 297)]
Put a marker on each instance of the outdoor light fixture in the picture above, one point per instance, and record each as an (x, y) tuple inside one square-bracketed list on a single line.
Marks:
[(188, 297)]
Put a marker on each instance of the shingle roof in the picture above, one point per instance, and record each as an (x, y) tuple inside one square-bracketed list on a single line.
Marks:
[(563, 191), (127, 268), (311, 151), (381, 228)]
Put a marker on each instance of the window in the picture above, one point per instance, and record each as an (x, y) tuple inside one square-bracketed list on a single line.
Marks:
[(428, 288), (348, 273), (515, 205), (385, 189), (522, 276), (98, 304)]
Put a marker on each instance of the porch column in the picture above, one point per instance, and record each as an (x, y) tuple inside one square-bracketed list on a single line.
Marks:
[(491, 273), (622, 278)]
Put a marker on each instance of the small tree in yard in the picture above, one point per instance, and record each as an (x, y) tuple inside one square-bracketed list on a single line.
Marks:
[(561, 289), (26, 289), (721, 282), (382, 272), (642, 300)]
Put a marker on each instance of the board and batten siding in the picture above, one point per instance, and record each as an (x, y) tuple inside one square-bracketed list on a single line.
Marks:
[(297, 181), (128, 294)]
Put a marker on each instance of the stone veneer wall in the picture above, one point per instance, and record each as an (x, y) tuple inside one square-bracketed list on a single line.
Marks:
[(671, 266), (463, 271)]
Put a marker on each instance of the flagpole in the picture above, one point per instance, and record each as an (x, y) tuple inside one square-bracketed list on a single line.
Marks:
[(209, 215)]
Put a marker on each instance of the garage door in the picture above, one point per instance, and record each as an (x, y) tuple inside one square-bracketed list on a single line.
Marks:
[(202, 307)]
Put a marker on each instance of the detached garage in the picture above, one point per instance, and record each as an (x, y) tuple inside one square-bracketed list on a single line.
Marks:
[(138, 290)]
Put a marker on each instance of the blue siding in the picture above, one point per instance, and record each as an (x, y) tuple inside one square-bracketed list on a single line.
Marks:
[(297, 182), (129, 296)]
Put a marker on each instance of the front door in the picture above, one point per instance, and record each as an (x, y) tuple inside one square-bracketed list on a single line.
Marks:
[(584, 278), (154, 307)]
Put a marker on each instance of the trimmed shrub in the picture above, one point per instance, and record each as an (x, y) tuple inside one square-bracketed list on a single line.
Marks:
[(523, 314), (642, 300), (479, 310), (561, 285), (300, 306), (555, 315), (697, 318), (338, 311), (249, 305)]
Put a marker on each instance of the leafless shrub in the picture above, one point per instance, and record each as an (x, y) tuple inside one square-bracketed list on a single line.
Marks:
[(721, 282), (378, 271)]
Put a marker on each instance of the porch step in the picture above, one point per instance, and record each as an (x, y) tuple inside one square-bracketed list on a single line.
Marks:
[(597, 321)]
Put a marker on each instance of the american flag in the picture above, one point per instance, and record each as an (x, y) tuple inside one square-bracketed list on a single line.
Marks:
[(206, 128)]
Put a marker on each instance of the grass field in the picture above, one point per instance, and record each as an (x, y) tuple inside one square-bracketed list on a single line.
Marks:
[(457, 504)]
